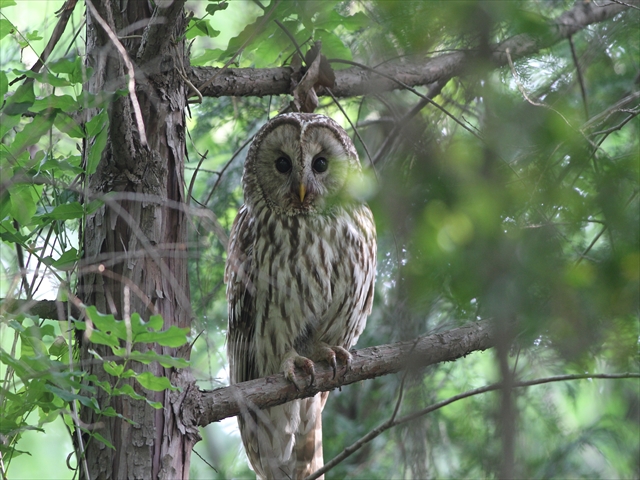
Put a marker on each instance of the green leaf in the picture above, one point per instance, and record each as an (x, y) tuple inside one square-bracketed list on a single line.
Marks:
[(18, 366), (95, 152), (22, 203), (4, 84), (93, 206), (44, 77), (107, 323), (65, 103), (112, 368), (70, 165), (47, 331), (201, 28), (137, 324), (101, 338), (209, 55), (7, 122), (332, 45), (67, 125), (166, 361), (21, 100), (67, 260), (128, 390), (157, 384), (9, 234), (31, 346), (66, 211), (216, 7), (58, 347), (31, 133), (90, 402), (96, 124), (173, 337), (32, 36), (251, 33), (128, 373), (155, 322), (7, 3), (71, 66), (356, 22), (100, 438), (6, 27), (111, 412)]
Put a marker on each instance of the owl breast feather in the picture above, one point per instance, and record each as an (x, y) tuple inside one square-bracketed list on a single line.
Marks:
[(311, 284)]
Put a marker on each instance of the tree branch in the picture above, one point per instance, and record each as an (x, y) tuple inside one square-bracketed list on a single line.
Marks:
[(49, 309), (392, 422), (367, 363), (355, 81)]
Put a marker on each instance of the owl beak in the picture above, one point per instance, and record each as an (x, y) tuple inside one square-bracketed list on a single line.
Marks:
[(303, 192)]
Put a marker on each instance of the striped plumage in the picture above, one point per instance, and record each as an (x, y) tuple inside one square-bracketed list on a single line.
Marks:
[(300, 275)]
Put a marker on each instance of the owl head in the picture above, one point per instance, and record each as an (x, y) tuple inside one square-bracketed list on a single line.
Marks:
[(299, 163)]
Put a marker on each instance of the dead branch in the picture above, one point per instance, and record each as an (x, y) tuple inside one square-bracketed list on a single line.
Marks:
[(367, 363)]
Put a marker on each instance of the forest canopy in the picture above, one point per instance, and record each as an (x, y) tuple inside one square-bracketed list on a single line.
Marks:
[(500, 143)]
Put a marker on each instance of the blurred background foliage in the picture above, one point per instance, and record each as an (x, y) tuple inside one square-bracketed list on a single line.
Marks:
[(520, 204)]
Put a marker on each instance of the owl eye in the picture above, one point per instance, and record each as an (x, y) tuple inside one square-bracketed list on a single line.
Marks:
[(320, 165), (283, 164)]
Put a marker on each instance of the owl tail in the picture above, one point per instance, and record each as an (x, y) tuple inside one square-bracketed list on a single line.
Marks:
[(285, 442)]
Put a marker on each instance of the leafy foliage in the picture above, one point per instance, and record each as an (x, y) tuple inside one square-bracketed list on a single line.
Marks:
[(518, 201)]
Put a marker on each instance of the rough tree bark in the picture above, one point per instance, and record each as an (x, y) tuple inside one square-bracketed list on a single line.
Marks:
[(154, 446)]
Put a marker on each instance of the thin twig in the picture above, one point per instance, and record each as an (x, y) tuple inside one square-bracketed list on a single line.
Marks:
[(603, 116), (400, 124), (619, 3), (355, 130), (583, 91), (526, 96), (412, 90), (205, 460), (195, 174), (477, 391), (224, 169), (291, 37), (130, 70), (632, 115), (67, 10), (604, 229)]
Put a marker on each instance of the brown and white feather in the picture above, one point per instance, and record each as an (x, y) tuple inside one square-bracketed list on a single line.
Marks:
[(299, 274)]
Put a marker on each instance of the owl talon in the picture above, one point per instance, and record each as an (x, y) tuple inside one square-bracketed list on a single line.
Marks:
[(331, 355), (332, 364), (344, 355), (288, 367)]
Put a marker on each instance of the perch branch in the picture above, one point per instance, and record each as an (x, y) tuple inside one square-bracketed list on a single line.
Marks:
[(367, 363)]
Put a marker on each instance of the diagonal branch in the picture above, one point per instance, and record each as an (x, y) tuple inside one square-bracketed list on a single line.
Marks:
[(367, 363), (355, 81), (392, 422)]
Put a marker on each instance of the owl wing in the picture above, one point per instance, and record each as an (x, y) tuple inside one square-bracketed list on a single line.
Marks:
[(241, 298)]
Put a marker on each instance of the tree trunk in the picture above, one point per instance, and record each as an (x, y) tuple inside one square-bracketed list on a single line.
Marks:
[(135, 257)]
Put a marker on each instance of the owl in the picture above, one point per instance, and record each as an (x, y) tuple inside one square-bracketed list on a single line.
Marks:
[(300, 279)]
